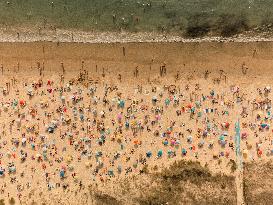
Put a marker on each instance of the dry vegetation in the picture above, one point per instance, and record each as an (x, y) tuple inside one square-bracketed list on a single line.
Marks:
[(258, 183), (184, 182), (189, 183)]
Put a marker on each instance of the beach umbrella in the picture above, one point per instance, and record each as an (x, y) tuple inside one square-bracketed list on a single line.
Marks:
[(6, 106), (189, 106), (201, 143), (197, 104), (119, 168), (212, 93), (98, 154), (119, 116), (8, 154), (167, 101), (165, 142), (70, 167), (227, 153), (154, 99), (211, 143), (62, 173), (223, 142), (177, 143), (172, 142), (225, 133), (157, 117), (259, 152), (12, 169), (221, 138), (22, 102), (170, 152), (244, 135), (63, 98), (18, 121), (44, 149), (189, 139), (69, 159), (121, 103), (259, 115), (2, 171), (110, 172), (50, 129), (87, 164), (127, 124), (24, 140), (205, 133), (137, 142), (81, 117), (245, 154), (149, 154), (225, 125), (160, 153)]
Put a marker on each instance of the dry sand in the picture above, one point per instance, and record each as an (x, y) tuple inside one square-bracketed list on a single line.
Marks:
[(104, 62)]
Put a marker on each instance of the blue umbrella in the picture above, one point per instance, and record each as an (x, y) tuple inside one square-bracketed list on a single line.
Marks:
[(149, 154), (184, 151), (62, 173), (2, 172), (121, 104)]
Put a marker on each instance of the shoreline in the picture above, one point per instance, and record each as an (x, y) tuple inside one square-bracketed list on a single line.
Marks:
[(25, 35)]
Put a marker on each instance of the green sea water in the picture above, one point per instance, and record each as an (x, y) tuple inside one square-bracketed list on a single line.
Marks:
[(183, 16)]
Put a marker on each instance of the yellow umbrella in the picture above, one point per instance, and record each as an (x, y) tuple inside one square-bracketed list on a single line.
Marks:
[(245, 153), (69, 158), (87, 164), (119, 138)]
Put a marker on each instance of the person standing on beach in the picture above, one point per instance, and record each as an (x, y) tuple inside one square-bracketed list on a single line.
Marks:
[(39, 68), (244, 68), (62, 78), (163, 70), (254, 53), (123, 50), (119, 77), (83, 65), (62, 66), (206, 75), (136, 72)]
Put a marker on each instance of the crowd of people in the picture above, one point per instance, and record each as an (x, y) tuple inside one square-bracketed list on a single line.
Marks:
[(57, 132)]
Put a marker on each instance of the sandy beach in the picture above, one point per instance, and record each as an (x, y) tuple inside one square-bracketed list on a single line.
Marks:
[(78, 116)]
